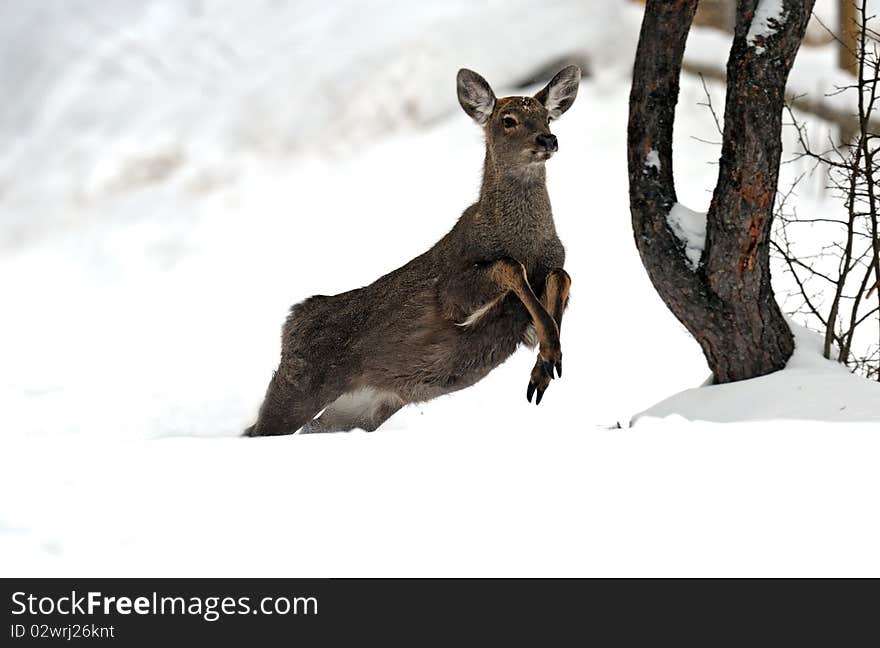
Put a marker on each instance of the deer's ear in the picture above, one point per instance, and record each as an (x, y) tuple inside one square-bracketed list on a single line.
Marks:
[(558, 95), (475, 96)]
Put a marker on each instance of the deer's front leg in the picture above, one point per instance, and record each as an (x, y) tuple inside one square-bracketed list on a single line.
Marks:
[(469, 294), (554, 298), (511, 276)]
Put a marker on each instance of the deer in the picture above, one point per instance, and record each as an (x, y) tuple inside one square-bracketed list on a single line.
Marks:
[(444, 320)]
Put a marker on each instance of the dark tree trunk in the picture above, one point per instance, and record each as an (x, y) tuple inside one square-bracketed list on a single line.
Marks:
[(727, 303)]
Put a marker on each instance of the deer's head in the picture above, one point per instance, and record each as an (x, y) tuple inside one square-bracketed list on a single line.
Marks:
[(518, 128)]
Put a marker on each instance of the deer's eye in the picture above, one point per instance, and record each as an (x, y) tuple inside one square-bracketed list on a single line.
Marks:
[(509, 122)]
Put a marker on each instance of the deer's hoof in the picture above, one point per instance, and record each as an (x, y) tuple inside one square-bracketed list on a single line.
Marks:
[(532, 390), (539, 381)]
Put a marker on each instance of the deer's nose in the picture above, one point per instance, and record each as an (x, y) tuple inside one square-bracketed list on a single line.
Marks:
[(548, 141)]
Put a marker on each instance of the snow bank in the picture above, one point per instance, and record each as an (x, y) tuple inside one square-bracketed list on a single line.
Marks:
[(809, 388), (505, 500), (104, 99)]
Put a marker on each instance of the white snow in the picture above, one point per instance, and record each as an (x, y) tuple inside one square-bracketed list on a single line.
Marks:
[(689, 227), (511, 499), (768, 18), (173, 185), (111, 96), (652, 160), (809, 388)]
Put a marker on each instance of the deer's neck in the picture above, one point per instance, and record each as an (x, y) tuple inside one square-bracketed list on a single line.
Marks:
[(515, 196)]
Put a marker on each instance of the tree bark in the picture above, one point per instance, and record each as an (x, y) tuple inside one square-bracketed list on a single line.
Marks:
[(727, 303)]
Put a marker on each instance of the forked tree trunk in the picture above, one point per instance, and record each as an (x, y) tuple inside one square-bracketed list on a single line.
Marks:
[(727, 303)]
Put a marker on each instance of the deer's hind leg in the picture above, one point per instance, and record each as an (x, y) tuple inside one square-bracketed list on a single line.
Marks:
[(366, 408), (554, 298), (291, 401)]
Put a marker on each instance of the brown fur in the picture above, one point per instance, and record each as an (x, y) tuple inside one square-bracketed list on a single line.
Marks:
[(365, 353)]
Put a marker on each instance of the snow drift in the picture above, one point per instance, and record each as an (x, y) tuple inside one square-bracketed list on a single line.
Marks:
[(809, 388)]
